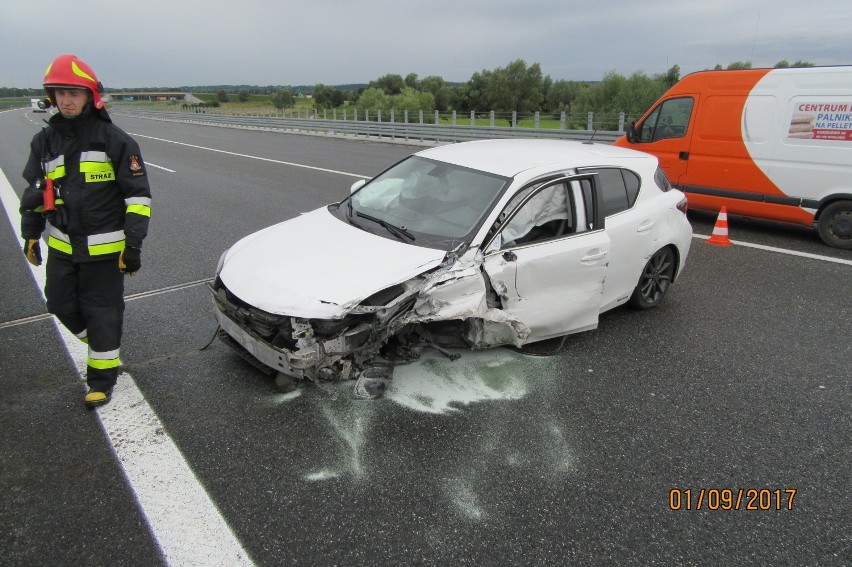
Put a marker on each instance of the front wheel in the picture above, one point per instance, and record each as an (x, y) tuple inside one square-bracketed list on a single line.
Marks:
[(835, 225), (655, 280)]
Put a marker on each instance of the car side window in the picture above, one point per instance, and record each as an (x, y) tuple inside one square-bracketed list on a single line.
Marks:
[(619, 187), (669, 120), (548, 214), (631, 183)]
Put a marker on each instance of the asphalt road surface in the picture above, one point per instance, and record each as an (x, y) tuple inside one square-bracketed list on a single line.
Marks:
[(640, 443)]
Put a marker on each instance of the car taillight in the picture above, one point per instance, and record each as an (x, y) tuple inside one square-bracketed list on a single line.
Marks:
[(683, 205)]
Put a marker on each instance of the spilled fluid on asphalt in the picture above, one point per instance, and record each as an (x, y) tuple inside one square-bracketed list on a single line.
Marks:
[(436, 384)]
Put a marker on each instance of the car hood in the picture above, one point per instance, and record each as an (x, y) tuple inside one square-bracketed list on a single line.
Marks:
[(318, 266)]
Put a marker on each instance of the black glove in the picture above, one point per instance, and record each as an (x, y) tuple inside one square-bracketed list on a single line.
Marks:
[(130, 260), (32, 199), (32, 250)]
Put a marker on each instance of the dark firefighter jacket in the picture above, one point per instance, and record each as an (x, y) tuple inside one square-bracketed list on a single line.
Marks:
[(101, 183)]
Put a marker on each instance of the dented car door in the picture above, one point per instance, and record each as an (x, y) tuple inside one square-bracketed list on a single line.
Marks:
[(547, 261)]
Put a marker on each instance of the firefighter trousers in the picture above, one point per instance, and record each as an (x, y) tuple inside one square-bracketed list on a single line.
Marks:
[(88, 299)]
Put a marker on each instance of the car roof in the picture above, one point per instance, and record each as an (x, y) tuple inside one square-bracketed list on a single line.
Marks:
[(509, 157)]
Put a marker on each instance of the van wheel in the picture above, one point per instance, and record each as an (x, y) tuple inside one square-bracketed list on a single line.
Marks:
[(655, 280), (835, 225)]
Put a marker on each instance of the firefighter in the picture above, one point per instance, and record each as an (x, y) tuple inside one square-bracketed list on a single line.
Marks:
[(101, 205)]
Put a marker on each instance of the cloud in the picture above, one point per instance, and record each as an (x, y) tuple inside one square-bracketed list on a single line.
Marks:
[(262, 42)]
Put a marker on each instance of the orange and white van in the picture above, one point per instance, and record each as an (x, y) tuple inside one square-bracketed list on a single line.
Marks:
[(767, 143)]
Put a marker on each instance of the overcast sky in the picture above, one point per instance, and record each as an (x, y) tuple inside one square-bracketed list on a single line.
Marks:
[(168, 43)]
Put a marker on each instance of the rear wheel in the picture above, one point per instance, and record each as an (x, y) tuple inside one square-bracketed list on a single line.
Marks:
[(835, 225), (655, 280)]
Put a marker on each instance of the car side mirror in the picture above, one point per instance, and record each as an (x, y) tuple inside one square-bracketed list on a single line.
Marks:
[(631, 133), (357, 185)]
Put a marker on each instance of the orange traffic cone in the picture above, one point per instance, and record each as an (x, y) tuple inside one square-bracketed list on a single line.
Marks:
[(720, 231)]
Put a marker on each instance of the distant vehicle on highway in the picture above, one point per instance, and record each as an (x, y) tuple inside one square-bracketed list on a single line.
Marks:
[(34, 105), (767, 143), (468, 245)]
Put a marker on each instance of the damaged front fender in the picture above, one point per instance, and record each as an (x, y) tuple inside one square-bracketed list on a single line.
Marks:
[(462, 293)]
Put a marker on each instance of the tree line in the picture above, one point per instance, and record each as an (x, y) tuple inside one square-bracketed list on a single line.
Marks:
[(516, 87)]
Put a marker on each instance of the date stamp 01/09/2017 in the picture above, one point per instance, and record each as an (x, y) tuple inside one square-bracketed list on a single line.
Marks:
[(731, 499)]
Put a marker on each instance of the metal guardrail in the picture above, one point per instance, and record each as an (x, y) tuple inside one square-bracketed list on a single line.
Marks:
[(389, 131)]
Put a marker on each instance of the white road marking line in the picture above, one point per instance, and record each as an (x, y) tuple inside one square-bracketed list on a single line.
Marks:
[(167, 289), (359, 176), (159, 167), (25, 321), (184, 521), (127, 298), (782, 251)]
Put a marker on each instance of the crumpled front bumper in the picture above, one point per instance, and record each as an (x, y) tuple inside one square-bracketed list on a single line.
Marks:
[(303, 354), (282, 360)]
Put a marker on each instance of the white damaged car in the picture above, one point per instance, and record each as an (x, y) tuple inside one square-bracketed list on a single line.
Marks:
[(474, 245)]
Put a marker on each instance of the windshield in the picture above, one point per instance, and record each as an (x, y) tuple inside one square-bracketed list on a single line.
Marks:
[(436, 203)]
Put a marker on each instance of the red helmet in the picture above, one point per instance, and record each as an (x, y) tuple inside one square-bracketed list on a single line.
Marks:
[(70, 71)]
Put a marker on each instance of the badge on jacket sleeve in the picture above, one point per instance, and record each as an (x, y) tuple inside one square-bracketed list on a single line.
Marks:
[(136, 166)]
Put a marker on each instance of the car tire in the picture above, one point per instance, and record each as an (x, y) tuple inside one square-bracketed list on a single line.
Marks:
[(655, 280), (835, 225)]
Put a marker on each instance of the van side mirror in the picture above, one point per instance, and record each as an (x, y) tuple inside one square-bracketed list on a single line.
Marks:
[(631, 133)]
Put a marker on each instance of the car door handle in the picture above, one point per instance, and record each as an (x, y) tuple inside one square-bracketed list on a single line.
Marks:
[(510, 256), (594, 256), (683, 155), (646, 226)]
